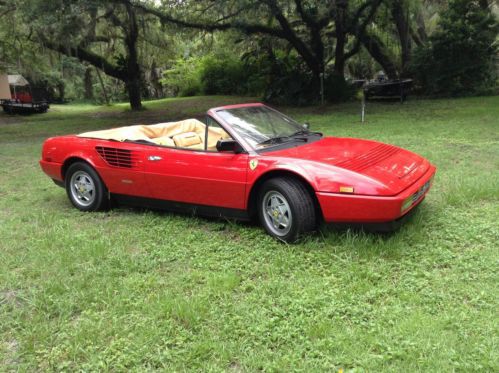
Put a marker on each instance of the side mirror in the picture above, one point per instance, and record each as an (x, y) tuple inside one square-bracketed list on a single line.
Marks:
[(306, 126), (229, 145)]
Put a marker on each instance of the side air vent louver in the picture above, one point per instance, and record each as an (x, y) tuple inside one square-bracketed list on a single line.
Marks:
[(372, 157), (118, 157)]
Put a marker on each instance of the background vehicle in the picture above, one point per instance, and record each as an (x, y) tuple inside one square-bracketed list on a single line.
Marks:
[(20, 99), (381, 87)]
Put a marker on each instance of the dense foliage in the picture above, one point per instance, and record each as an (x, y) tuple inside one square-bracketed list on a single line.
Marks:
[(282, 51), (460, 56), (280, 79), (212, 74)]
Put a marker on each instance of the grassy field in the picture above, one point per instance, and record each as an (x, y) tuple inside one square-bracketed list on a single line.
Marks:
[(141, 290)]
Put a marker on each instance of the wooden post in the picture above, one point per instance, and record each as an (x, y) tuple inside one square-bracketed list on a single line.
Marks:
[(363, 108), (322, 88)]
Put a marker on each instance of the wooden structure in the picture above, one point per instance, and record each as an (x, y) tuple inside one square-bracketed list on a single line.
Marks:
[(4, 87)]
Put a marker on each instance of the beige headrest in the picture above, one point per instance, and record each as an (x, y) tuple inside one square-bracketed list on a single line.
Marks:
[(184, 140)]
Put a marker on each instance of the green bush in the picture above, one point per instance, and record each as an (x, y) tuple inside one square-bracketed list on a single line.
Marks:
[(183, 78), (336, 88), (223, 75), (459, 58), (211, 75), (279, 79), (283, 78)]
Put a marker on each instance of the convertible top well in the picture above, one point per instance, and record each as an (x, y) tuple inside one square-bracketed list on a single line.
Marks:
[(189, 133)]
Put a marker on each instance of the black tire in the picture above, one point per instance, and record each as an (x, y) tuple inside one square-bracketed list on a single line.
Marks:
[(85, 189), (293, 205)]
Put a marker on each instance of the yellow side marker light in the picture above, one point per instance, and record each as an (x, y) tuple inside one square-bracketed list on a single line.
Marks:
[(346, 189)]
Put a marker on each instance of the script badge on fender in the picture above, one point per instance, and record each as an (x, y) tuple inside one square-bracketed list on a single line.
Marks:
[(253, 163)]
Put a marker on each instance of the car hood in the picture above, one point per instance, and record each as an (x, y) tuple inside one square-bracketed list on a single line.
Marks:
[(393, 167)]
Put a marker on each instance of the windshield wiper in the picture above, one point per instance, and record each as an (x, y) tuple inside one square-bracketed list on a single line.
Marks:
[(305, 132), (281, 139), (274, 140), (301, 132)]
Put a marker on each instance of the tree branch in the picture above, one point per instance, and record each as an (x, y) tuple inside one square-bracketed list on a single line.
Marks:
[(314, 62), (361, 29), (315, 31), (377, 50), (305, 16), (6, 11), (248, 28), (86, 56)]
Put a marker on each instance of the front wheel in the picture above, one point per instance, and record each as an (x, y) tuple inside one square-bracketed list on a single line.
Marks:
[(286, 209), (85, 189)]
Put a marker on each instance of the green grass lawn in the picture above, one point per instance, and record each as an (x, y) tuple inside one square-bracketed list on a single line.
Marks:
[(140, 290)]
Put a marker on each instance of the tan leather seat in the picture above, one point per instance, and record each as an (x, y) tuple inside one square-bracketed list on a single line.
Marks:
[(187, 140), (164, 140)]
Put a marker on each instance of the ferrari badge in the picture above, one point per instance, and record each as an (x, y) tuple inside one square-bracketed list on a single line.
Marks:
[(253, 163)]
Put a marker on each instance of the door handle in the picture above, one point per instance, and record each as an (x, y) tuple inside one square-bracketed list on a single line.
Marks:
[(154, 158)]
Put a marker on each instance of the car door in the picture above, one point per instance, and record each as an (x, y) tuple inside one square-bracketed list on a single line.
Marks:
[(201, 177)]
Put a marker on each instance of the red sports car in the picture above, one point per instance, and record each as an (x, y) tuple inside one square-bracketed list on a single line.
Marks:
[(243, 161)]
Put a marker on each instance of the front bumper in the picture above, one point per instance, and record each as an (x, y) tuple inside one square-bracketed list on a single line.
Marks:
[(351, 208)]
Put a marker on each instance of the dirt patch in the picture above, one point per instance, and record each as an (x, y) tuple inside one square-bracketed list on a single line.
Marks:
[(11, 298), (235, 367), (10, 119), (10, 350)]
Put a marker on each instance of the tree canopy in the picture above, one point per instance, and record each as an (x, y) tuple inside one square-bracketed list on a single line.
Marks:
[(278, 49)]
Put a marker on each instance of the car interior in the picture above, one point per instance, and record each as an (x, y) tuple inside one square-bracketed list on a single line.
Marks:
[(189, 134)]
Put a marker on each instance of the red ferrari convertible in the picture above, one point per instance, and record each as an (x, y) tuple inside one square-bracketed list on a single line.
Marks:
[(243, 161)]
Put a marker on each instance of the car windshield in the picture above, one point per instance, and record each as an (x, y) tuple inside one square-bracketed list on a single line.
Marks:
[(261, 126)]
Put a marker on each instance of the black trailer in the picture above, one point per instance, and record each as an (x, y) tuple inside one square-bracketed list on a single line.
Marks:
[(387, 88), (14, 107)]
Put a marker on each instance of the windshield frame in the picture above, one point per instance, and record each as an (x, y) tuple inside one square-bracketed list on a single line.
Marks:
[(290, 142)]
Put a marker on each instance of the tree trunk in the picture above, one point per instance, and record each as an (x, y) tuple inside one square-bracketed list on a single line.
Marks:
[(155, 81), (133, 89), (133, 80), (61, 89), (339, 52), (401, 19), (376, 49), (87, 82)]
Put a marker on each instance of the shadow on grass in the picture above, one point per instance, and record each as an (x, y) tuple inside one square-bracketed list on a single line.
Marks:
[(354, 240)]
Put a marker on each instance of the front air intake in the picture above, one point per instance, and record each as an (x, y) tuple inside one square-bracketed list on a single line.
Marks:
[(123, 158)]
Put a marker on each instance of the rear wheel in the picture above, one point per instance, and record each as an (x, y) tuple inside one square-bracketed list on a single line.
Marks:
[(286, 209), (85, 189)]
